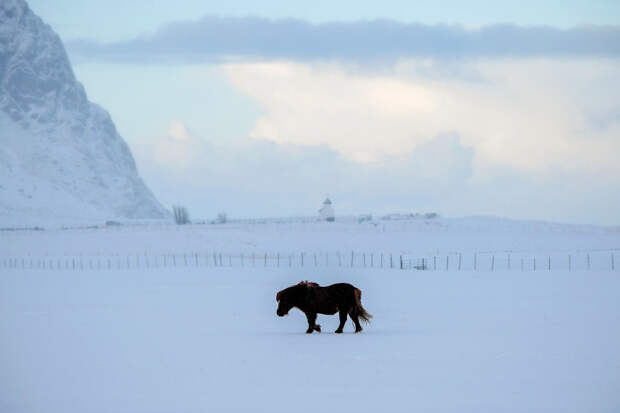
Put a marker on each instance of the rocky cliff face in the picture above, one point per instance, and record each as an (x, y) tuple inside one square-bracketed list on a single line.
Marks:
[(60, 155)]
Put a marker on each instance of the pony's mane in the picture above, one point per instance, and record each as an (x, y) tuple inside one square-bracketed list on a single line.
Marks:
[(305, 283)]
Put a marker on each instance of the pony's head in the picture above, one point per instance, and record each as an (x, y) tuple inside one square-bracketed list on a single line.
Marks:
[(285, 302), (289, 297)]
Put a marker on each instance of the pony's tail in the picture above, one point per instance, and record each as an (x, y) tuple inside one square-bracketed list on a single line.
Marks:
[(361, 311)]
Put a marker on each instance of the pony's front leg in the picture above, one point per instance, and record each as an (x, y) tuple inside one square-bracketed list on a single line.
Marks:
[(312, 326)]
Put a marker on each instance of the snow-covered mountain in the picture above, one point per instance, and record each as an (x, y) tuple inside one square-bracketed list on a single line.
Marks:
[(61, 157)]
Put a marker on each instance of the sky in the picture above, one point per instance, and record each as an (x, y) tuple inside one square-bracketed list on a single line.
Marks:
[(264, 109)]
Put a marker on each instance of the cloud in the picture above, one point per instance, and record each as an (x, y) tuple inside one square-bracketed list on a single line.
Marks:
[(214, 39), (267, 178), (530, 114), (177, 148), (258, 178)]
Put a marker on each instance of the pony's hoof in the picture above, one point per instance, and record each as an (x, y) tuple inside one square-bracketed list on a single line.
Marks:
[(309, 331), (358, 330), (317, 328), (338, 331)]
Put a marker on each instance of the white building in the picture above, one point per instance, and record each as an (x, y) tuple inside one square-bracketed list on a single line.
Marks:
[(327, 212)]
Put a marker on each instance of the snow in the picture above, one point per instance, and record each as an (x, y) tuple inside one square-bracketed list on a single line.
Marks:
[(198, 339), (209, 340), (61, 158), (440, 235)]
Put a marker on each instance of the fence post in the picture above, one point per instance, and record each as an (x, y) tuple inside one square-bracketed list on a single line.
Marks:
[(372, 260), (352, 257), (391, 263), (265, 259), (460, 257), (493, 262), (315, 259), (434, 263), (522, 264), (401, 262), (221, 259), (549, 262), (381, 260), (278, 263), (612, 262), (447, 262), (364, 259), (302, 259), (475, 261), (534, 263)]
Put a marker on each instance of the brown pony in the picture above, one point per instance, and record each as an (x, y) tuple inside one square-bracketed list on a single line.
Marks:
[(311, 298)]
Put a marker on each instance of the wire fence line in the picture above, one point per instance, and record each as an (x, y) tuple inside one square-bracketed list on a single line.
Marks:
[(472, 261)]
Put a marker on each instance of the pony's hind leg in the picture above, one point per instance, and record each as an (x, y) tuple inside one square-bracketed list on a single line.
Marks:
[(343, 319), (355, 319)]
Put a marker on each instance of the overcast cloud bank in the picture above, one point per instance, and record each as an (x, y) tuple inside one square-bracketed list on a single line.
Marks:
[(232, 38)]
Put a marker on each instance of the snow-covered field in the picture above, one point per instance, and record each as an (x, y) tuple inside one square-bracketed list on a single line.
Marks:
[(207, 339), (416, 235)]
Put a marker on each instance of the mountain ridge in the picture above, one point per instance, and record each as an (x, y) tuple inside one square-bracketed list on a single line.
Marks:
[(61, 155)]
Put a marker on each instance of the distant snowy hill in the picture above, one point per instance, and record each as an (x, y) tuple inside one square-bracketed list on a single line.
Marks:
[(61, 157)]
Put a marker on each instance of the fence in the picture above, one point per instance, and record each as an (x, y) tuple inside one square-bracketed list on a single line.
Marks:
[(476, 261)]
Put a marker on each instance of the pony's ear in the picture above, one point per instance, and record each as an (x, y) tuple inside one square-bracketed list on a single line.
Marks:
[(278, 295)]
